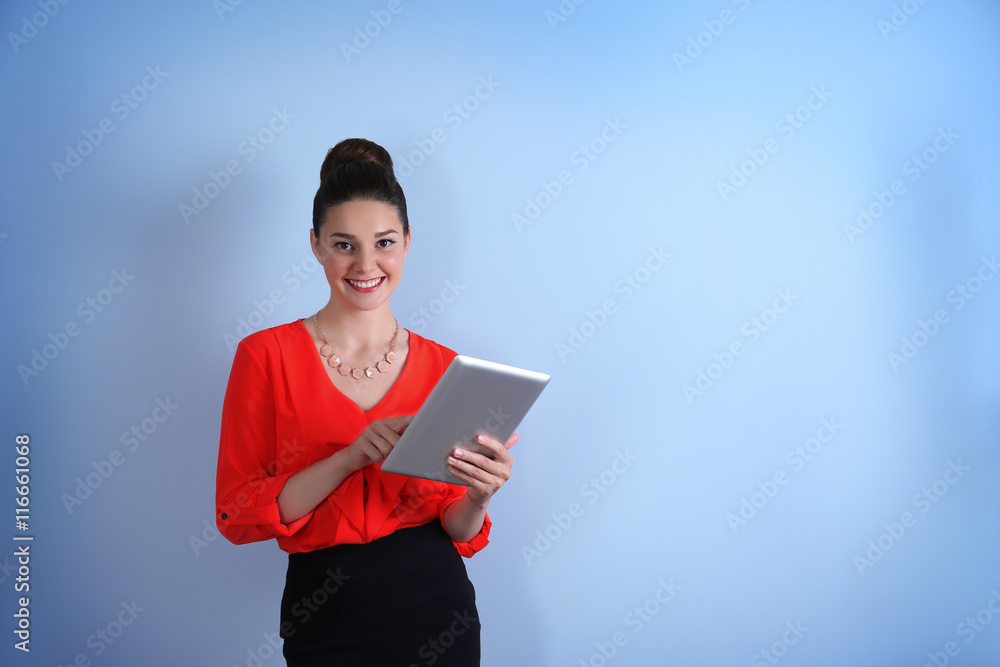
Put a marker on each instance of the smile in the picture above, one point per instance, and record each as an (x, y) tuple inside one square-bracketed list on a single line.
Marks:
[(365, 285)]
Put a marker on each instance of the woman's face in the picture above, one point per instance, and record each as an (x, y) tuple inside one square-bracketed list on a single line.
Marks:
[(361, 247)]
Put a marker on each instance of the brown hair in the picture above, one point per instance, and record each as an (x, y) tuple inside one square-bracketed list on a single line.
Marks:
[(354, 150), (357, 169)]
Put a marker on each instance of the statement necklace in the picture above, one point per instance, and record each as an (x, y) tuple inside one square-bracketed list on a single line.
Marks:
[(357, 373)]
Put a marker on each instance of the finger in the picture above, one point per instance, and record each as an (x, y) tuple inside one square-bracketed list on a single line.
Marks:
[(376, 442), (490, 468), (370, 452), (511, 441), (462, 476), (381, 449), (398, 424), (380, 430), (490, 444), (481, 487), (383, 446), (494, 459), (470, 473), (498, 453)]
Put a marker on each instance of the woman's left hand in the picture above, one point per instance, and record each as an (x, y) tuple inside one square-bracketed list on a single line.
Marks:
[(484, 473)]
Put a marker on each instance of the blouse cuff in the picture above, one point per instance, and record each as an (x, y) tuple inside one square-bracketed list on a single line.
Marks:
[(478, 541), (251, 517)]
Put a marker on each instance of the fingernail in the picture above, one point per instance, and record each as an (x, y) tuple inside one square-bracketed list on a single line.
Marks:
[(459, 453), (481, 438)]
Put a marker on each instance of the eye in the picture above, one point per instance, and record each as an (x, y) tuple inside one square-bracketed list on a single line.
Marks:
[(385, 243), (342, 245)]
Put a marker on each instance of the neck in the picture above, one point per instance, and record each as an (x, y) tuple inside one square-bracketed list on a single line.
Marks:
[(356, 329)]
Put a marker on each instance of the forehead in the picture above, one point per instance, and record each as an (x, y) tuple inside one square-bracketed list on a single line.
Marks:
[(361, 218)]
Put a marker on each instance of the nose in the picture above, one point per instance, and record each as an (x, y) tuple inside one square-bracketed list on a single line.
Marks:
[(364, 261)]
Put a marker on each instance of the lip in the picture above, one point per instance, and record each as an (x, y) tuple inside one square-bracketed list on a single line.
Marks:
[(354, 284)]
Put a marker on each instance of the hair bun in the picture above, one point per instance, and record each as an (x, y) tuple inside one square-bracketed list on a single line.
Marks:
[(357, 170), (354, 150)]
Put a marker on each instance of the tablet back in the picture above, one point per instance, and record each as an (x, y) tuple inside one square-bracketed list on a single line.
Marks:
[(472, 396)]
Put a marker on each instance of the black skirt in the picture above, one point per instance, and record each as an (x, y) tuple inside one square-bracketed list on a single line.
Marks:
[(404, 600)]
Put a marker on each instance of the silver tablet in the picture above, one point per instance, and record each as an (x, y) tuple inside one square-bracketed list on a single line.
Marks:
[(473, 396)]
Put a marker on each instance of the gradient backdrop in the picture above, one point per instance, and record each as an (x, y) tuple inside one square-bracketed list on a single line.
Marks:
[(754, 243)]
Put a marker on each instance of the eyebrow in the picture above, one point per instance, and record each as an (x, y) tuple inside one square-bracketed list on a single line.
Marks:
[(351, 237)]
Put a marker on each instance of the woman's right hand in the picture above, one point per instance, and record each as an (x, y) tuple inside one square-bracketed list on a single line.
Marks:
[(304, 490), (375, 442)]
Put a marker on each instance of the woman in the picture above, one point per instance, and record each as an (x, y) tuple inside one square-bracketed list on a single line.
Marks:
[(375, 571)]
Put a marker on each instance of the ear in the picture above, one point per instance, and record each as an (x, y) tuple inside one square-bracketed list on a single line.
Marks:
[(406, 241), (314, 243)]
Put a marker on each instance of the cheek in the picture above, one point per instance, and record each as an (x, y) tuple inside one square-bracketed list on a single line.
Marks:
[(393, 263), (334, 266)]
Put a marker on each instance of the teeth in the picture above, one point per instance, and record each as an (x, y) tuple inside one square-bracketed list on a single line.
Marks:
[(366, 284)]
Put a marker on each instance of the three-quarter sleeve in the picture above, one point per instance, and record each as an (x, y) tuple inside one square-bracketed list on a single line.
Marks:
[(251, 472), (480, 539)]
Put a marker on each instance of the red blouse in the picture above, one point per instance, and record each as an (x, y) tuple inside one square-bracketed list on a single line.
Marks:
[(282, 414)]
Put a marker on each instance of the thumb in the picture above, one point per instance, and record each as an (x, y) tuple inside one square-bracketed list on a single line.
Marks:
[(512, 441)]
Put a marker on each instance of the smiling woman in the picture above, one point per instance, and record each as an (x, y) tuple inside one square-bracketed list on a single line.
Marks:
[(362, 250), (318, 404)]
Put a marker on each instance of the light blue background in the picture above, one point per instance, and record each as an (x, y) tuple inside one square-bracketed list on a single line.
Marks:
[(522, 293)]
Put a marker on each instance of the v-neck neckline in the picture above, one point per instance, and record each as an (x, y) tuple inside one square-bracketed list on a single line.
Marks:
[(336, 389)]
